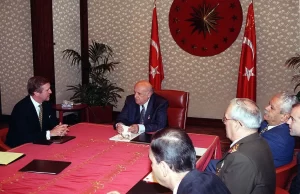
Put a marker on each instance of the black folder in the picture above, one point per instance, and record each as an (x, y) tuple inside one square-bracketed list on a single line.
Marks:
[(61, 139), (45, 166), (148, 188), (142, 138)]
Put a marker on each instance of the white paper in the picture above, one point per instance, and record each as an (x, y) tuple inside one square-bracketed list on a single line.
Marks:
[(126, 134), (150, 178), (200, 151), (119, 137)]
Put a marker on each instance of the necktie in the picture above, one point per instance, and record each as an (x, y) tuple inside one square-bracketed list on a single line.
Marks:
[(142, 115), (41, 116), (264, 130)]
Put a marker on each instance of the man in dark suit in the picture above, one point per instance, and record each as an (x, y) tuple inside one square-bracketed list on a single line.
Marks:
[(144, 111), (248, 166), (294, 124), (173, 160), (32, 118), (275, 130)]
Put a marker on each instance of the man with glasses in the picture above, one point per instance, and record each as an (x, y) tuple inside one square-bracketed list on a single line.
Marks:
[(144, 111), (294, 124), (275, 130), (248, 165)]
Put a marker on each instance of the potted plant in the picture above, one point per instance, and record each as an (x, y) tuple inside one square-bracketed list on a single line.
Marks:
[(100, 94), (294, 63)]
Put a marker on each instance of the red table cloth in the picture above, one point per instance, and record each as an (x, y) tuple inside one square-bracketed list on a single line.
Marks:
[(98, 164)]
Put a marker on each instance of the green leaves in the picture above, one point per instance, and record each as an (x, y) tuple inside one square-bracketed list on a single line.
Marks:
[(100, 91)]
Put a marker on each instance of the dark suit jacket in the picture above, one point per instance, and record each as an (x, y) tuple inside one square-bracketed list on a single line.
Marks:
[(24, 126), (196, 182), (155, 116), (249, 169), (295, 186), (281, 143)]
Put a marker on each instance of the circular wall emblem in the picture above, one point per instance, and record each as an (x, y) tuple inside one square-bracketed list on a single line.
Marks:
[(205, 27)]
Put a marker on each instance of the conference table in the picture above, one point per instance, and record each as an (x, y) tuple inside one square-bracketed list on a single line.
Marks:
[(99, 165)]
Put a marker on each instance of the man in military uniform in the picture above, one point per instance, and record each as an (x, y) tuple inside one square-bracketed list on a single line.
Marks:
[(248, 166)]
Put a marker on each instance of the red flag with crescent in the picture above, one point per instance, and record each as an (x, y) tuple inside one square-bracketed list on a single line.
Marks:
[(156, 71), (246, 87)]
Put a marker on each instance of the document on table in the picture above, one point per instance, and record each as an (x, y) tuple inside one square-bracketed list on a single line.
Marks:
[(150, 178), (8, 157), (200, 151), (119, 137)]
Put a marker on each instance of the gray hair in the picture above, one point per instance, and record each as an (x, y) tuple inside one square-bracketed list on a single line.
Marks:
[(246, 111), (287, 102)]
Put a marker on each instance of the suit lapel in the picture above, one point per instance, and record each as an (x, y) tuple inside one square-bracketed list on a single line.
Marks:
[(149, 109), (33, 113)]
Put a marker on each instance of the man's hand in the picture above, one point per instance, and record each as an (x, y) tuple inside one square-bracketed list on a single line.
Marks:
[(119, 127), (59, 130), (134, 128)]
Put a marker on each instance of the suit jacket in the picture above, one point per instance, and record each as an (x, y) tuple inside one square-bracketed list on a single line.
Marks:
[(248, 167), (196, 182), (24, 126), (281, 143), (295, 186), (155, 116)]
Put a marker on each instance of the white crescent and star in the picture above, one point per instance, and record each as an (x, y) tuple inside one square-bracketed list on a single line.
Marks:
[(153, 43), (249, 72), (154, 71)]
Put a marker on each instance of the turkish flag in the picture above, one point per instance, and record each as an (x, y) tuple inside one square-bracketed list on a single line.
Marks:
[(156, 71), (246, 87)]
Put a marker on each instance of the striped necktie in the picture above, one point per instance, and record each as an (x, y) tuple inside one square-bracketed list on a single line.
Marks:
[(41, 116), (142, 119)]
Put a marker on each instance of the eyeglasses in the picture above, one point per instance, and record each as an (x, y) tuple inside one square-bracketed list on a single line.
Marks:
[(224, 119)]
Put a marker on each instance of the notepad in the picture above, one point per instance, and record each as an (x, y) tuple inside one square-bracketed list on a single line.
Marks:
[(8, 157), (150, 187), (61, 139), (45, 166)]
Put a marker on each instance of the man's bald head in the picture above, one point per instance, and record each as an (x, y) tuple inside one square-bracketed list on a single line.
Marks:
[(142, 92)]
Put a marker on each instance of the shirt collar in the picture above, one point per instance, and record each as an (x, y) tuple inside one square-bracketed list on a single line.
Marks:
[(176, 188), (270, 127), (35, 103), (234, 142), (145, 105)]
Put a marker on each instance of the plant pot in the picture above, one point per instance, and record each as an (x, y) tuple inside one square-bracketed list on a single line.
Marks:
[(99, 114)]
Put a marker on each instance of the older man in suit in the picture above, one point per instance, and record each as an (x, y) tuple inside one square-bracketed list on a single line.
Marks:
[(32, 118), (173, 160), (144, 111), (275, 130), (294, 124), (248, 165)]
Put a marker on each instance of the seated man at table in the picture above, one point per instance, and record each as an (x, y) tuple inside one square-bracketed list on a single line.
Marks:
[(144, 111), (275, 130), (32, 118), (173, 160), (294, 124), (248, 166)]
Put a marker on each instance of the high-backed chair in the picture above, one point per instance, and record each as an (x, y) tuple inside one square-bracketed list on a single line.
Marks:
[(3, 133), (178, 107), (281, 191), (284, 174)]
